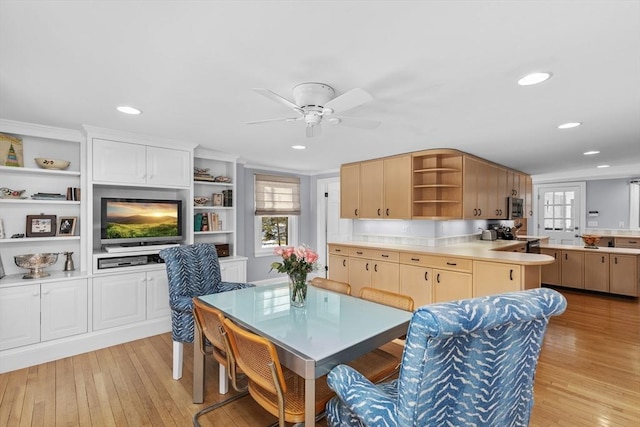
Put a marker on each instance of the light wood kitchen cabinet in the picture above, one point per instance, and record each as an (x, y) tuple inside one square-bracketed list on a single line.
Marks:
[(550, 273), (137, 164), (627, 242), (596, 272), (371, 189), (375, 268), (451, 285), (397, 187), (386, 276), (623, 270), (572, 269), (437, 184), (359, 274), (339, 268), (417, 282), (495, 278), (528, 198), (350, 190), (474, 191)]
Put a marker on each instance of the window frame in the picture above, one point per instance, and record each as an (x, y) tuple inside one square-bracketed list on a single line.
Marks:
[(293, 233)]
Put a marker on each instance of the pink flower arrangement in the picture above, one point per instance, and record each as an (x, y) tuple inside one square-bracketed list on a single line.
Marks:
[(295, 260)]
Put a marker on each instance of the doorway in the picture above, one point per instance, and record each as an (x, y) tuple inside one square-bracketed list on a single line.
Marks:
[(330, 227), (560, 212)]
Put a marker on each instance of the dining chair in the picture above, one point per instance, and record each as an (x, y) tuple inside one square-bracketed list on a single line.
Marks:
[(331, 285), (192, 270), (274, 387), (392, 299), (209, 323), (466, 362)]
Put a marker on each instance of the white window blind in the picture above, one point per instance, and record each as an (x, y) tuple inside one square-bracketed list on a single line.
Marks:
[(277, 195)]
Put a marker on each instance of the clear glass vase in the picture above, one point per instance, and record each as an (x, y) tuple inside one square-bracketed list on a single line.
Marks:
[(298, 289)]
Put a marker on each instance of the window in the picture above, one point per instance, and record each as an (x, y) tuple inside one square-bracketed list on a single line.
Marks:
[(277, 203)]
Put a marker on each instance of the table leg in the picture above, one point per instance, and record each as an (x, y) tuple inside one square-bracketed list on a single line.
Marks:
[(198, 370), (310, 402)]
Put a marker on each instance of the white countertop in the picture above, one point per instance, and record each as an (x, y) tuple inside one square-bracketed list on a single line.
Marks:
[(482, 250), (603, 249)]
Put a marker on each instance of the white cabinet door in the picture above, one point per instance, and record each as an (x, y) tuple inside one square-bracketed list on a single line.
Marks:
[(119, 300), (157, 294), (119, 162), (233, 270), (19, 316), (64, 309), (168, 167)]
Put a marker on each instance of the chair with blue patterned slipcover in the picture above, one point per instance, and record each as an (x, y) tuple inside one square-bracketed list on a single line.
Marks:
[(192, 270), (465, 363)]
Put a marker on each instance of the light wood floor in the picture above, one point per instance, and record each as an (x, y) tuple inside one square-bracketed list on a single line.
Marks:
[(588, 375)]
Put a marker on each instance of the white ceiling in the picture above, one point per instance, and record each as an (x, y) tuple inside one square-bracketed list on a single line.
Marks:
[(442, 74)]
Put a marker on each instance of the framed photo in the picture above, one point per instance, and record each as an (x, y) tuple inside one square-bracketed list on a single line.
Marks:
[(216, 199), (67, 225), (41, 225), (11, 151)]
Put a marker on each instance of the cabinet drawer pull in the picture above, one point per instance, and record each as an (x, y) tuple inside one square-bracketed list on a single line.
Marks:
[(356, 212), (344, 262), (387, 211), (337, 250), (375, 267), (438, 277), (384, 256), (475, 212), (426, 276), (555, 255), (359, 253), (451, 263), (415, 259), (615, 259), (603, 260), (633, 242), (366, 267), (511, 274), (566, 256), (378, 211), (479, 211)]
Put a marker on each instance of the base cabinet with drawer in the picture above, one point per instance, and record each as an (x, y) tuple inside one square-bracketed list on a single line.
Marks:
[(450, 277), (45, 311), (369, 268), (624, 274), (417, 282), (339, 268), (451, 285), (596, 272), (572, 269)]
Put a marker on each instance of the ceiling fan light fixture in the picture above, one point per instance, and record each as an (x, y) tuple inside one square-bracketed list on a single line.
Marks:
[(334, 120), (569, 125), (126, 109), (591, 153), (534, 78), (298, 147), (603, 166)]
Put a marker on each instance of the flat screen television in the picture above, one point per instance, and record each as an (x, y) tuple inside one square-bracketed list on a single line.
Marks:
[(138, 222)]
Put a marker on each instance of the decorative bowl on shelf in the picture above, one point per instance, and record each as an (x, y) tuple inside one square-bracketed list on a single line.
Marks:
[(35, 263), (7, 193), (200, 201), (46, 163), (590, 240)]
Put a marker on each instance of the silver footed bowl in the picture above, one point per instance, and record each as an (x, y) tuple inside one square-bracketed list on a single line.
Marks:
[(35, 263)]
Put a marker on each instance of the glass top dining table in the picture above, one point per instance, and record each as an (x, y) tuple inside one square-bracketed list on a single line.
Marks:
[(331, 329)]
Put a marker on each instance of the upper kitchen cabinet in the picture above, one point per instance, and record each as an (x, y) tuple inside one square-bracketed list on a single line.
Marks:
[(437, 184), (385, 188), (126, 163), (350, 190)]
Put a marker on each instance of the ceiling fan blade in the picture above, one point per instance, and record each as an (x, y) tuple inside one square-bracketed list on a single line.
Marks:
[(347, 101), (313, 131), (355, 122), (275, 97), (281, 119)]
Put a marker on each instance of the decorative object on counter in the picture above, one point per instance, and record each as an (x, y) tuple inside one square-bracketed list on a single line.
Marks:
[(67, 225), (56, 164), (217, 199), (17, 236), (7, 193), (590, 241), (200, 201), (223, 179), (297, 262), (36, 263), (11, 151), (202, 174), (68, 263), (48, 196), (41, 225)]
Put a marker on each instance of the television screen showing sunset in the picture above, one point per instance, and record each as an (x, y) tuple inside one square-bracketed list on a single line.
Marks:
[(137, 219)]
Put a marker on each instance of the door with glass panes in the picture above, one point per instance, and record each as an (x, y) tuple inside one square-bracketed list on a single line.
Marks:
[(560, 213)]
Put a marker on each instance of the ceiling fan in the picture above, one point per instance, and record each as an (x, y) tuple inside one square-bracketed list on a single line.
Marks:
[(317, 102)]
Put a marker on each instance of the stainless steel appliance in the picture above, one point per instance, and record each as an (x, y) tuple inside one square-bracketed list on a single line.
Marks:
[(515, 207)]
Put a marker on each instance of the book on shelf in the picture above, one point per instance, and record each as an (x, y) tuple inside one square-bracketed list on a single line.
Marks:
[(207, 221)]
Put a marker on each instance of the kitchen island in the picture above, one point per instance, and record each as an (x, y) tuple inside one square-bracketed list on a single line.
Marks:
[(437, 274)]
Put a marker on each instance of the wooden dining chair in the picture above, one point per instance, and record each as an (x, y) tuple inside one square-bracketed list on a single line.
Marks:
[(331, 285), (274, 387), (391, 299), (209, 323)]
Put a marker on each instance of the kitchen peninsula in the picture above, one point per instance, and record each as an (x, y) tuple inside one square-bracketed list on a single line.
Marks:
[(436, 274)]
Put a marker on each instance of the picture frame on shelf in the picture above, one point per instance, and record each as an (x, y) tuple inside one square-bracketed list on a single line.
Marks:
[(11, 151), (67, 225), (41, 226), (216, 199)]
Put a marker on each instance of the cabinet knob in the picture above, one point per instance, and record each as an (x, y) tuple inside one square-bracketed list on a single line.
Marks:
[(426, 276), (387, 211), (356, 212), (375, 267), (44, 293), (35, 294), (378, 212), (344, 262), (438, 277), (479, 211), (511, 274), (366, 267)]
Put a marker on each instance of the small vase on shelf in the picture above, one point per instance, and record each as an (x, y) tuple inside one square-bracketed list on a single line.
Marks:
[(298, 288)]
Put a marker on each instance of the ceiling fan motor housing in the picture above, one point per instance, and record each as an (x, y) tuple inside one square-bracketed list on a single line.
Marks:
[(313, 94)]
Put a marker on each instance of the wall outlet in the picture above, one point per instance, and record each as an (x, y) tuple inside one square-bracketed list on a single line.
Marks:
[(406, 229), (621, 224), (592, 223)]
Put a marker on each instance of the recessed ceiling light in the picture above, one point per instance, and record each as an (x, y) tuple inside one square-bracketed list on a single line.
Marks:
[(569, 125), (298, 147), (591, 153), (128, 110), (534, 78), (602, 166)]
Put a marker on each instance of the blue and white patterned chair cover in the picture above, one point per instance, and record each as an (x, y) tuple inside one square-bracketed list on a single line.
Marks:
[(192, 270), (466, 363)]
